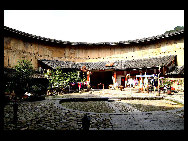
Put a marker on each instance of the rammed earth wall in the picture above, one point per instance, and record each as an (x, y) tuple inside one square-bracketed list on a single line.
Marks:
[(16, 47)]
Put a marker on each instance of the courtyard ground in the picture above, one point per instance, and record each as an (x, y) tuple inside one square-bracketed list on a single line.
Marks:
[(49, 114)]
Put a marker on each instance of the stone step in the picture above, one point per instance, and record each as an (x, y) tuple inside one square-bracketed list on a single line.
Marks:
[(139, 98), (113, 99)]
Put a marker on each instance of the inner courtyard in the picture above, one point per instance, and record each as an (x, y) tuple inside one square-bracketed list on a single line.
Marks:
[(126, 85)]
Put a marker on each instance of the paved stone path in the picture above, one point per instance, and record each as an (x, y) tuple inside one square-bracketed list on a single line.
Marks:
[(50, 115)]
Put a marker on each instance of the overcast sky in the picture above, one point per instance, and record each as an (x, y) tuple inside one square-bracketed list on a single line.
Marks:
[(94, 25)]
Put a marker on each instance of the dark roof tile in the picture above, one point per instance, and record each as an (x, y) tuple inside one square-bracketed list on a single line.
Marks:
[(118, 65), (99, 43), (177, 70)]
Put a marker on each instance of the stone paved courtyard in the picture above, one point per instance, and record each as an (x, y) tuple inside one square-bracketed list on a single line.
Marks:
[(50, 115)]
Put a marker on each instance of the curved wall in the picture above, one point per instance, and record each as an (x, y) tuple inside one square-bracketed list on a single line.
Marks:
[(17, 48)]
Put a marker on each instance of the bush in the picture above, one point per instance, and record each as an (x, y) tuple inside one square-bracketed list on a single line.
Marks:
[(60, 81), (22, 77)]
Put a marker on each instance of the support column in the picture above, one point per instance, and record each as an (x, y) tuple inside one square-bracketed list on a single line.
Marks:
[(159, 82), (114, 80), (88, 76), (125, 74), (145, 81), (88, 80), (140, 79), (163, 70), (115, 77)]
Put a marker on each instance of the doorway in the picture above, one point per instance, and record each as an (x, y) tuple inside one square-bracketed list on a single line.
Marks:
[(123, 81), (97, 78)]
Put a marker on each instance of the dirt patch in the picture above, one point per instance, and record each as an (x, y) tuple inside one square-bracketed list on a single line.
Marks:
[(153, 105)]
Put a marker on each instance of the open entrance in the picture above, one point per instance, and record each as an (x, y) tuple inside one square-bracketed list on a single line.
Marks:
[(123, 81), (97, 79)]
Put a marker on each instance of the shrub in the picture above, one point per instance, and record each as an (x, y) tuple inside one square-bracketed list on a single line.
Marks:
[(61, 80), (22, 77)]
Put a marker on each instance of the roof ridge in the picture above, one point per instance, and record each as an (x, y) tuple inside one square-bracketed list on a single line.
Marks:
[(137, 41)]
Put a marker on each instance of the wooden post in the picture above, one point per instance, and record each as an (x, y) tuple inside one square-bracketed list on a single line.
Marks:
[(140, 79), (88, 76), (88, 80), (114, 81), (158, 82), (163, 70), (125, 73), (115, 76)]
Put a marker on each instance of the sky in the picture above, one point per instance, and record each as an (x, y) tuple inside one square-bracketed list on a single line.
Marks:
[(94, 25)]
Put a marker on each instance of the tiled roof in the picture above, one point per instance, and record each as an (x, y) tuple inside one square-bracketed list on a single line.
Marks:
[(146, 62), (60, 42), (62, 64), (177, 70), (97, 65), (117, 65)]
